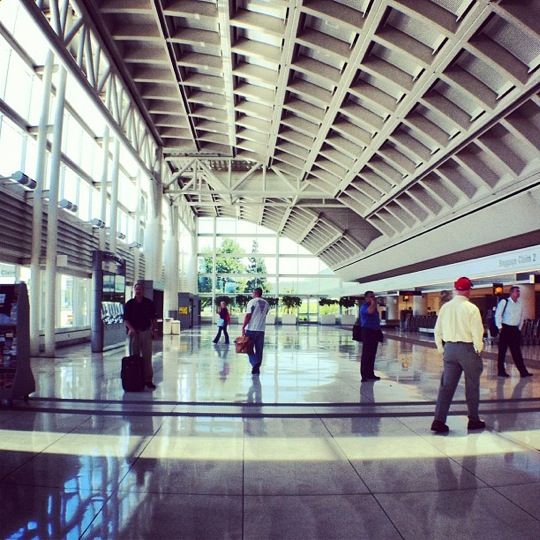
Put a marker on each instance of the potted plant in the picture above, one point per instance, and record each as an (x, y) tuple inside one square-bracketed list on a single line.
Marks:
[(271, 317), (327, 315), (241, 301), (290, 302), (347, 302)]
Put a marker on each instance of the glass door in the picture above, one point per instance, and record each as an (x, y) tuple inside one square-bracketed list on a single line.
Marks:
[(308, 311)]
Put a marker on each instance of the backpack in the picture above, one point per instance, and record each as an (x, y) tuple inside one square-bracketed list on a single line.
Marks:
[(493, 330)]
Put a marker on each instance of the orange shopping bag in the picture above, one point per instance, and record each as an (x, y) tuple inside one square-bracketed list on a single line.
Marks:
[(243, 345)]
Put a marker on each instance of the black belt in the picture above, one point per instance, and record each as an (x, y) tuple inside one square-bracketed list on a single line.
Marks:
[(459, 342), (510, 325)]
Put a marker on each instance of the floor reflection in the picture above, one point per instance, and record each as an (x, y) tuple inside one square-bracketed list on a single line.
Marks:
[(215, 452)]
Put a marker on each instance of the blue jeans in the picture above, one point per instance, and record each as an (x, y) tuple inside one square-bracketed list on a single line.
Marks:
[(257, 338)]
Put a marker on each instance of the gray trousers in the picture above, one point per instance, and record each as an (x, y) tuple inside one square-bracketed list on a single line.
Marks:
[(459, 357), (140, 344)]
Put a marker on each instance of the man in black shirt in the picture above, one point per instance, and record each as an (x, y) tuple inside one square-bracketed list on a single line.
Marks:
[(140, 316)]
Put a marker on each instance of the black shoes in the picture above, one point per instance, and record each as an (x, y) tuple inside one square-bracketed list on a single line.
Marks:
[(151, 385), (439, 427), (367, 379), (256, 370), (523, 375), (475, 424)]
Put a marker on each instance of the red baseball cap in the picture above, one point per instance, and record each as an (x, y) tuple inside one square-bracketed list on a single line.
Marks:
[(463, 284)]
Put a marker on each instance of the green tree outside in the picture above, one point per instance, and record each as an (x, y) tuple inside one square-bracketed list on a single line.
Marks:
[(256, 266)]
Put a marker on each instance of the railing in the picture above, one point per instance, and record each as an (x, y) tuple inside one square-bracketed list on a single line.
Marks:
[(530, 331)]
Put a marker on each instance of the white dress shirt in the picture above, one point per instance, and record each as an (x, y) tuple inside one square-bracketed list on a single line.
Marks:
[(513, 313), (459, 320)]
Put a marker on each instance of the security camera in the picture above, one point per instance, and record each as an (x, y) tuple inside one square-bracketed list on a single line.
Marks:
[(97, 223), (24, 180), (67, 205), (121, 236)]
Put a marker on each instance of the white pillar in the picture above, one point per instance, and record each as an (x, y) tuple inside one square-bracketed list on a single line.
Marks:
[(193, 269), (114, 196), (37, 221), (52, 218), (170, 257), (137, 251), (419, 305), (103, 187), (391, 308), (527, 300), (150, 252)]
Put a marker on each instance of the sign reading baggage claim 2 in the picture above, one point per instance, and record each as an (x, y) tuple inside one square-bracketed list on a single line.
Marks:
[(522, 259)]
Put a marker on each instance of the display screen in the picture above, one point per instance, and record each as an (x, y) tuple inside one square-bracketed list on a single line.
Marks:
[(108, 283), (119, 284)]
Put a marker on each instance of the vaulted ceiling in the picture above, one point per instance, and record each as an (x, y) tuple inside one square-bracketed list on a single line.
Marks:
[(346, 125)]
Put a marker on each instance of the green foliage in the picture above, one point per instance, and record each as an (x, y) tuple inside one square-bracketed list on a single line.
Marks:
[(205, 302), (327, 302), (272, 300), (226, 299), (291, 302), (257, 266), (229, 260), (347, 302), (242, 301)]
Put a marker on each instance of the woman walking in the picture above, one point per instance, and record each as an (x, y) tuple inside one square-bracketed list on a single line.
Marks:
[(223, 322)]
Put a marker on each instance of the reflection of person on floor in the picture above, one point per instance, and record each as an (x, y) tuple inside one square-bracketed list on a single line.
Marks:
[(254, 425), (455, 496), (368, 426), (506, 421), (509, 319), (459, 333), (223, 353), (254, 394), (223, 322), (254, 327)]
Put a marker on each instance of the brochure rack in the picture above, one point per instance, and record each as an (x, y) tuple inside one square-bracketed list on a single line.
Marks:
[(16, 378)]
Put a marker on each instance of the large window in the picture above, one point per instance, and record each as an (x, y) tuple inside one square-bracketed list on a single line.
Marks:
[(74, 302), (82, 153), (235, 256)]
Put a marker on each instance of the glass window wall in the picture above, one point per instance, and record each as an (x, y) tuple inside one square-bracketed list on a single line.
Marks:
[(244, 260)]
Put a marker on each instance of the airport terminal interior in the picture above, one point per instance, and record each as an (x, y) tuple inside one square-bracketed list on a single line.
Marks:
[(317, 149)]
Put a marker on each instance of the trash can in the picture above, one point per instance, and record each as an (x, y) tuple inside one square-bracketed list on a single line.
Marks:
[(175, 327), (167, 326)]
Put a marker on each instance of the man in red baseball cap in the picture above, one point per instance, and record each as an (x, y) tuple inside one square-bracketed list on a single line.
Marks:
[(459, 337)]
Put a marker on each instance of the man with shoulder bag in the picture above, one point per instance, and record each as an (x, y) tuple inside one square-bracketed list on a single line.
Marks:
[(371, 336)]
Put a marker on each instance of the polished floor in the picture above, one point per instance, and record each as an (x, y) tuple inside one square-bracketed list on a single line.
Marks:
[(305, 451)]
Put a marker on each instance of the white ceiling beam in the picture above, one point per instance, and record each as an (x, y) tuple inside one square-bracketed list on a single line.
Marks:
[(291, 27), (226, 56)]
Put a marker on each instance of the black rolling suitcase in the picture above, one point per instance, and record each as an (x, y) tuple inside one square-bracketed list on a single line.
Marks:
[(132, 374)]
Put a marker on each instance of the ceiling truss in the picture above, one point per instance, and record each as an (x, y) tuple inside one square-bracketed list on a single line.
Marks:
[(346, 125)]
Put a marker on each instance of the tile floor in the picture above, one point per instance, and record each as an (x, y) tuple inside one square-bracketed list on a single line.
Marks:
[(305, 451)]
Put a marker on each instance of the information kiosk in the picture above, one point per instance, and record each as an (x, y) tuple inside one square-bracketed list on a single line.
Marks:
[(16, 378), (109, 296)]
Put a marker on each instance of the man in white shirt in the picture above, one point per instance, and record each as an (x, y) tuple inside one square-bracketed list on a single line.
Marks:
[(254, 327), (459, 337), (509, 319)]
